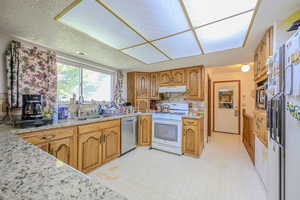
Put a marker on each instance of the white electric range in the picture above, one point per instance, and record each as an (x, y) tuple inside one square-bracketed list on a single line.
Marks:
[(167, 128)]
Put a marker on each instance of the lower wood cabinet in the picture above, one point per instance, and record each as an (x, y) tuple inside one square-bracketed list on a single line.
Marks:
[(98, 143), (111, 143), (61, 143), (145, 130), (89, 151), (193, 136)]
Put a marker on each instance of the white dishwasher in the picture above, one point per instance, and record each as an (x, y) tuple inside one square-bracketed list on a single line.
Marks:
[(128, 134)]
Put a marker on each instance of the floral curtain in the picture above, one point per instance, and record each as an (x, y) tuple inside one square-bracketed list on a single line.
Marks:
[(12, 57), (118, 93), (34, 72)]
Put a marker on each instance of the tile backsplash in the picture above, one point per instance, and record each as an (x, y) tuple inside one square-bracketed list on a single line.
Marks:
[(178, 98)]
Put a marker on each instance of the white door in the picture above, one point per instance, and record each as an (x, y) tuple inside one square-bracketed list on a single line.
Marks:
[(226, 107)]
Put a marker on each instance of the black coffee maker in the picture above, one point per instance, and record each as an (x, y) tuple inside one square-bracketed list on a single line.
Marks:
[(32, 107)]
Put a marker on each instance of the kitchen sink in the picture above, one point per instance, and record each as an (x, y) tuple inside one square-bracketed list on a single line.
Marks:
[(100, 116)]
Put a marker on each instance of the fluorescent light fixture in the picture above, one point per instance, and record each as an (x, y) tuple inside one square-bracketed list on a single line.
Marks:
[(226, 34), (245, 68), (204, 12), (146, 53), (93, 19), (179, 46), (151, 18)]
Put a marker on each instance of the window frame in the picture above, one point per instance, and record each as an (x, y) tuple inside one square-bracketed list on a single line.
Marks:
[(86, 66)]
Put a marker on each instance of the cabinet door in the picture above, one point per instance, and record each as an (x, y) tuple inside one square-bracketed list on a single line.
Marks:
[(142, 105), (111, 143), (165, 78), (154, 86), (145, 130), (63, 150), (44, 147), (191, 145), (142, 85), (195, 86), (178, 77), (90, 151)]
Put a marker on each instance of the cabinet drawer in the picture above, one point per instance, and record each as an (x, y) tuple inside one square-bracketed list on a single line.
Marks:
[(98, 126), (190, 122), (48, 135)]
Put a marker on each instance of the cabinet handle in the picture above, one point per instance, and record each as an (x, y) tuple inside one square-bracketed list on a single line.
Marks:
[(104, 138), (48, 137)]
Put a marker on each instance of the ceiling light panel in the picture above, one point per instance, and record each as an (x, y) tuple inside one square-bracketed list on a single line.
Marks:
[(226, 34), (204, 12), (179, 46), (151, 18), (91, 18), (146, 53)]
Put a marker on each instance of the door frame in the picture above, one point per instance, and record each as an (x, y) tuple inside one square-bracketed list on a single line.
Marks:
[(209, 129), (239, 101)]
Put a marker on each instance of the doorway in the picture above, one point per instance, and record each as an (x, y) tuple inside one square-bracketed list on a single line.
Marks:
[(226, 106)]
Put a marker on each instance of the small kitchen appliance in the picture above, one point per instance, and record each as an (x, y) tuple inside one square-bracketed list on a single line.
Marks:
[(32, 107)]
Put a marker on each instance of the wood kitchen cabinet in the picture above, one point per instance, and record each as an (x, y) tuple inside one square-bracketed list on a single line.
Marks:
[(172, 77), (142, 105), (90, 151), (262, 53), (111, 143), (193, 136), (139, 90), (98, 143), (61, 143), (165, 78), (145, 130), (195, 83), (154, 86), (142, 85), (178, 77)]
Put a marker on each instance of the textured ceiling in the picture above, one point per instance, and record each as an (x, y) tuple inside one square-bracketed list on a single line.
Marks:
[(33, 20)]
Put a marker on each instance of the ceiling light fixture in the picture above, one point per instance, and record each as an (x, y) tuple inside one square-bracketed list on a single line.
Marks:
[(245, 68), (81, 53)]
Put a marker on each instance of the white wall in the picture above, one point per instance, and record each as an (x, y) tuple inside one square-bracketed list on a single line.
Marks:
[(4, 41), (247, 87)]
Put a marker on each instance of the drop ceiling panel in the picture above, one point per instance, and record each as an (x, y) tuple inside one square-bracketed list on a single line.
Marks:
[(91, 18), (202, 13), (146, 53), (152, 18), (226, 34), (179, 46)]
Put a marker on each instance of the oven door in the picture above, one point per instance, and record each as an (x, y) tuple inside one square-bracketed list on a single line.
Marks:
[(167, 131)]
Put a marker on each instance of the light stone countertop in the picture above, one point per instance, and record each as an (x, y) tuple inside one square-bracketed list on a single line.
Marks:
[(73, 122), (27, 172)]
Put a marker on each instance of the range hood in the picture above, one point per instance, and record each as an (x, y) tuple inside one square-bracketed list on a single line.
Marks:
[(172, 89)]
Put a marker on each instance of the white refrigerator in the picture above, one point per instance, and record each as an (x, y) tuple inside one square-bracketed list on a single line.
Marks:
[(292, 118), (284, 122)]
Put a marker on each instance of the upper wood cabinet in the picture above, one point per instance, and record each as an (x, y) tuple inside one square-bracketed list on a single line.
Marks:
[(142, 105), (142, 85), (172, 77), (193, 136), (61, 143), (145, 130), (154, 86), (262, 53), (165, 78), (195, 83), (178, 77)]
